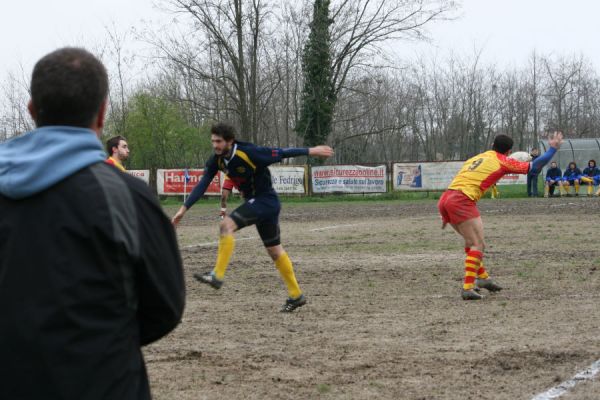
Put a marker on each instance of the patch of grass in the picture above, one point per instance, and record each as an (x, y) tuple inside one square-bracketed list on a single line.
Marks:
[(376, 384), (323, 388)]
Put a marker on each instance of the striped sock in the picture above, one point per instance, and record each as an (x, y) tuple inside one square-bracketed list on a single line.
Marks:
[(481, 272), (472, 265)]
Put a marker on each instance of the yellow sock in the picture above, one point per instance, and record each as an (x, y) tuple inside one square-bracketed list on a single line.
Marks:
[(286, 270), (546, 191), (495, 192), (226, 246), (590, 189)]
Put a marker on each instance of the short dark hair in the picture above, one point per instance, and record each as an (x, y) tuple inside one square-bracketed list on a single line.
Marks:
[(68, 87), (226, 131), (502, 143), (592, 161), (573, 164), (113, 142)]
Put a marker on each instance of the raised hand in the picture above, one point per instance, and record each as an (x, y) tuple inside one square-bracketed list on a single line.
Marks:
[(320, 151), (555, 139)]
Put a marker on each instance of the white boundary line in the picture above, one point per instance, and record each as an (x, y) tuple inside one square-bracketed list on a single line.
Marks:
[(206, 244), (325, 228), (587, 374), (215, 243)]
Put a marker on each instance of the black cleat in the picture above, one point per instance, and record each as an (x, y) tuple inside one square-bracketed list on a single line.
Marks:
[(470, 295), (209, 279), (488, 284), (291, 304)]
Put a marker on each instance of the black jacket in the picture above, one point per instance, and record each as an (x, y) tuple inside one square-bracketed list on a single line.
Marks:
[(89, 272)]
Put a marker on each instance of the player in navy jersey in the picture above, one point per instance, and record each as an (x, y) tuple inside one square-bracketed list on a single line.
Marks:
[(247, 166)]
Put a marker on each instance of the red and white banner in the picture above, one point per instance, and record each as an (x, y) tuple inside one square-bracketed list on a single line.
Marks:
[(349, 179), (172, 182), (143, 174), (513, 179)]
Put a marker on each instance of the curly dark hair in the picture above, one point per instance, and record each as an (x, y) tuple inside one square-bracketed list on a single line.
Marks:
[(226, 131)]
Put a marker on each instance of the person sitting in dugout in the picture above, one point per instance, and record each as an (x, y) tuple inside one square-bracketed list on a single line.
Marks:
[(588, 177), (571, 177), (553, 179)]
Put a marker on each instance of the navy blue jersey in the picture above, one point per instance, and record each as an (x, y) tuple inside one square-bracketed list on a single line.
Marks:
[(571, 174), (247, 166), (591, 171), (553, 173)]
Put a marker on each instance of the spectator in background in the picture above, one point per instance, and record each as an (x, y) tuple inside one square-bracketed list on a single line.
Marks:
[(89, 265), (118, 151), (553, 179), (532, 176), (589, 173), (571, 177)]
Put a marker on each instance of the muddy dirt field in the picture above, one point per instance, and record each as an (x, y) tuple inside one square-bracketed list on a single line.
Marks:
[(385, 319)]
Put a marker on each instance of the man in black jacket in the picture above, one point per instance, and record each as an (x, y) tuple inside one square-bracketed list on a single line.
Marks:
[(532, 176), (90, 270)]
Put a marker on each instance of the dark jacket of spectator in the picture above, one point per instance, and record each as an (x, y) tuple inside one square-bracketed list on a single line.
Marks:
[(90, 271)]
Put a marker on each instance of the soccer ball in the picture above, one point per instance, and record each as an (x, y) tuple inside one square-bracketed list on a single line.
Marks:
[(522, 156)]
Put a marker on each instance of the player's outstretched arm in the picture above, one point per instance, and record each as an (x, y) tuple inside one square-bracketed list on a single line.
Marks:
[(320, 151), (555, 141)]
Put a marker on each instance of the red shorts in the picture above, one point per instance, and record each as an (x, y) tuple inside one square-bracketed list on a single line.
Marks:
[(455, 207), (228, 184)]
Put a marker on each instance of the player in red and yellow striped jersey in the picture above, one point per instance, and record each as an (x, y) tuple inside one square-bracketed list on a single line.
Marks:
[(118, 152), (458, 207)]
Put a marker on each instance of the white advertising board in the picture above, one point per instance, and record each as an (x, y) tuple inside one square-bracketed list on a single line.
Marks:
[(349, 179)]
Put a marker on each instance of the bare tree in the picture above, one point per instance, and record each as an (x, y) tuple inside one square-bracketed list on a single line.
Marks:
[(15, 118)]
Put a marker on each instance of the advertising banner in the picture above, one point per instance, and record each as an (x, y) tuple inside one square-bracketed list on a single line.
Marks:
[(143, 174), (289, 179), (427, 176), (174, 181), (436, 175), (349, 179)]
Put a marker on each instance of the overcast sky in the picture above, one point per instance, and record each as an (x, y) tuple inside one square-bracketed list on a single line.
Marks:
[(506, 30)]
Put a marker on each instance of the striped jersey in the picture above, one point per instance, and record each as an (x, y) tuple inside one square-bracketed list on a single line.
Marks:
[(484, 170), (114, 162)]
